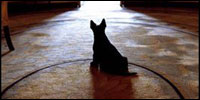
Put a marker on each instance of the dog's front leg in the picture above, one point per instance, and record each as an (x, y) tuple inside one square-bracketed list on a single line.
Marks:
[(95, 61)]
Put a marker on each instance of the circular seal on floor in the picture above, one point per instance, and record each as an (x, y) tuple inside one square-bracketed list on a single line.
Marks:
[(76, 80)]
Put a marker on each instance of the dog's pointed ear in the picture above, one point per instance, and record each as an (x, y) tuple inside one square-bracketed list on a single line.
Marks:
[(92, 24), (103, 23)]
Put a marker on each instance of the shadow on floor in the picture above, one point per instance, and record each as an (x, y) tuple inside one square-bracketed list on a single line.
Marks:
[(34, 17), (174, 16)]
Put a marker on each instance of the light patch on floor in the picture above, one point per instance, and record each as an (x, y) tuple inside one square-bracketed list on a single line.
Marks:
[(131, 43), (186, 60), (164, 52)]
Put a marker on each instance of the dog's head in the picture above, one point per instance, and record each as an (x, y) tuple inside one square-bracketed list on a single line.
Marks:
[(98, 29)]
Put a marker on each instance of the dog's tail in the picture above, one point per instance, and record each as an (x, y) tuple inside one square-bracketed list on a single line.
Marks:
[(128, 74)]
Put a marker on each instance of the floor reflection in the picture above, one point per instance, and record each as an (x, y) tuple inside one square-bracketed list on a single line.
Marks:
[(107, 86)]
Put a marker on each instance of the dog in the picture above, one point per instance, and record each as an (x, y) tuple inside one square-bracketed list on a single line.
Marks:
[(105, 55)]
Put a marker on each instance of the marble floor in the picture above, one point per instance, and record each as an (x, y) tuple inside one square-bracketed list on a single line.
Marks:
[(54, 49)]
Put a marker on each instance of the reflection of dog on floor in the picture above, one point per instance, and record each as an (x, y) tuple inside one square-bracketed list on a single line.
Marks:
[(105, 54)]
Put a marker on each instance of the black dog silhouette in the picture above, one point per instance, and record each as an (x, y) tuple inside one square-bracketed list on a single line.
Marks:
[(105, 54)]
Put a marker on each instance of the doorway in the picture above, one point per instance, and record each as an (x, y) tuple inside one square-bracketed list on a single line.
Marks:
[(100, 5)]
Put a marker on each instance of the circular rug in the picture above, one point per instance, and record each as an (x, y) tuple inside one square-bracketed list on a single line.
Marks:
[(76, 80)]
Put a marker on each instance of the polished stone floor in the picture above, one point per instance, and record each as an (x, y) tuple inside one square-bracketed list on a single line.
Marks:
[(164, 40)]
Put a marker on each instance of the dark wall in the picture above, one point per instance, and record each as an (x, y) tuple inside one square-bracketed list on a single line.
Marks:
[(26, 6), (163, 3)]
